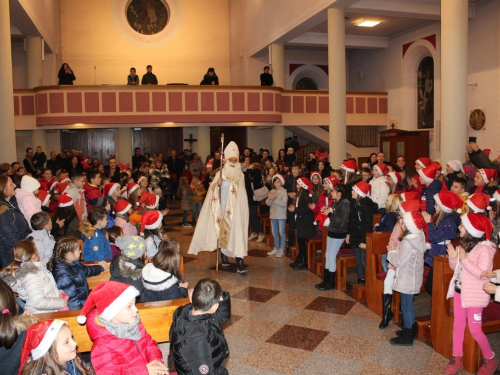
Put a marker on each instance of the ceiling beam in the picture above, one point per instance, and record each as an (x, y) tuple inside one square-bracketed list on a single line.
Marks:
[(351, 41)]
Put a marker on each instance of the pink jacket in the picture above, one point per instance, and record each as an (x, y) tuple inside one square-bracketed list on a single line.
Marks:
[(479, 259), (28, 204), (394, 241), (126, 226)]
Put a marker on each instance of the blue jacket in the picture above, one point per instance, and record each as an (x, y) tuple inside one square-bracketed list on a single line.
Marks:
[(387, 222), (445, 231), (160, 285), (72, 280), (97, 247), (14, 228), (429, 192)]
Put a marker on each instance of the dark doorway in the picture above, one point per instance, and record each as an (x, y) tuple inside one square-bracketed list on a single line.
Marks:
[(231, 133), (158, 140), (94, 143)]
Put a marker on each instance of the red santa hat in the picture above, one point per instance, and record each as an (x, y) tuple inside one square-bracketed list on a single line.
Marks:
[(151, 220), (305, 183), (108, 298), (487, 152), (395, 176), (209, 165), (423, 162), (412, 205), (122, 206), (363, 189), (477, 225), (65, 180), (317, 174), (349, 166), (110, 188), (151, 201), (64, 200), (140, 179), (496, 195), (488, 174), (415, 224), (61, 188), (39, 338), (479, 202), (428, 173), (409, 195), (448, 201), (43, 196), (381, 169), (131, 187), (331, 181)]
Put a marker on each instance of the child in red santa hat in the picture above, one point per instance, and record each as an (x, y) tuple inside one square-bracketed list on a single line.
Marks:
[(121, 343), (49, 348)]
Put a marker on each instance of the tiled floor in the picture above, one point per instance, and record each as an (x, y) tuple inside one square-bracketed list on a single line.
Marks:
[(282, 325)]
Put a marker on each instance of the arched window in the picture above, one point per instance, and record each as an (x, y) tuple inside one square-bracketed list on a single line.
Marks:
[(425, 94), (306, 83)]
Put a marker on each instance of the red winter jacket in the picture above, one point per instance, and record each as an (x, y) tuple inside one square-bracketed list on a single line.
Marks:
[(114, 356), (93, 196)]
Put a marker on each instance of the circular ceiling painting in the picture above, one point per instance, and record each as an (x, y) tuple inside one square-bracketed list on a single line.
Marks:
[(147, 17)]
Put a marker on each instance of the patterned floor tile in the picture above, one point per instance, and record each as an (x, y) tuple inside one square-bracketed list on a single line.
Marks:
[(274, 313), (356, 348), (277, 358), (331, 305), (256, 294), (298, 337), (255, 329), (321, 364)]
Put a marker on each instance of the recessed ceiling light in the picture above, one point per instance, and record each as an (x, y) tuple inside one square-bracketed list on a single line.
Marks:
[(367, 23)]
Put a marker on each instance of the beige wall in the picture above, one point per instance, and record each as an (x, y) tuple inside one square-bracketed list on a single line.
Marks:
[(90, 38)]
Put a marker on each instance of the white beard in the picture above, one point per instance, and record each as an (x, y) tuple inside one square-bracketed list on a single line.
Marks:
[(232, 171)]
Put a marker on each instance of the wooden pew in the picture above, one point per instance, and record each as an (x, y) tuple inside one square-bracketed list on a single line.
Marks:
[(376, 245), (441, 326), (155, 316)]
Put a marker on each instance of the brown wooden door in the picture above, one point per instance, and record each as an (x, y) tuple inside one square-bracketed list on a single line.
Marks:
[(94, 143), (237, 134), (158, 140)]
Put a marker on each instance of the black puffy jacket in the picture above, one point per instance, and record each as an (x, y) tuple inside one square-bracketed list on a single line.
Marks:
[(361, 220), (198, 342), (71, 278), (14, 228)]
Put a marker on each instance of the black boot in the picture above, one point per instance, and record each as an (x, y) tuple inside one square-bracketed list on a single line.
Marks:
[(224, 261), (301, 263), (322, 284), (387, 314), (406, 338), (329, 282), (414, 329), (240, 268)]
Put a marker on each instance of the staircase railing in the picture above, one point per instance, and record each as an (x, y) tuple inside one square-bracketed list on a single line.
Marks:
[(304, 151)]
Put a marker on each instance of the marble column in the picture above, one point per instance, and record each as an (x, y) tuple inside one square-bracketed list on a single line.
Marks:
[(7, 130), (278, 64), (278, 140), (454, 109), (34, 61), (202, 145), (337, 86)]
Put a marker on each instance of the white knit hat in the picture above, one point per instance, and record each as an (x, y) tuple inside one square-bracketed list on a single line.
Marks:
[(279, 177), (456, 165), (29, 183)]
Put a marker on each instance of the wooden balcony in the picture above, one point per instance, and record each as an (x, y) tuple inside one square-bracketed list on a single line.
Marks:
[(65, 106)]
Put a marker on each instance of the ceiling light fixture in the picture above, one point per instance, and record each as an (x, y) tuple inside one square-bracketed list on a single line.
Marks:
[(367, 23)]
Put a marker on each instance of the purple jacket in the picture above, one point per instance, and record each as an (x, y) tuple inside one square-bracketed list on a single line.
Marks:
[(479, 259)]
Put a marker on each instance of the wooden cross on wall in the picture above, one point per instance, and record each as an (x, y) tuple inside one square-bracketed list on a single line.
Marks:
[(191, 140)]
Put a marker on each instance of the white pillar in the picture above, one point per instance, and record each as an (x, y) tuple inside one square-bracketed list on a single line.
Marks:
[(123, 145), (454, 109), (34, 61), (7, 130), (278, 140), (202, 145), (38, 138), (337, 86), (278, 64)]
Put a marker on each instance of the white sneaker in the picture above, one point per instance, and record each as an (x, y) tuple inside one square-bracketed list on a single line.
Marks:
[(261, 238), (253, 236), (274, 252), (187, 226), (280, 254)]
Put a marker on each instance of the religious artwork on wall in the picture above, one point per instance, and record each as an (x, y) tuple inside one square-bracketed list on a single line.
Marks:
[(147, 17), (425, 86), (477, 119)]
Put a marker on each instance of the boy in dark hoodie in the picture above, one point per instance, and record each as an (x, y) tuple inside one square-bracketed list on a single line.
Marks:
[(127, 266), (196, 337)]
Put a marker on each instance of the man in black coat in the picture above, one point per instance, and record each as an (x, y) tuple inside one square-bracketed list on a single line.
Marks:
[(149, 78), (266, 79), (137, 159)]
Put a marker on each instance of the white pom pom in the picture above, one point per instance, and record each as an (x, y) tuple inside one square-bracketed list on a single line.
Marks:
[(427, 245), (459, 211), (488, 208), (310, 195), (81, 319), (142, 234), (357, 172), (315, 223)]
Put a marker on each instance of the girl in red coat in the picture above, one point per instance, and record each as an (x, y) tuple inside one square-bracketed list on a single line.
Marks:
[(121, 344)]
